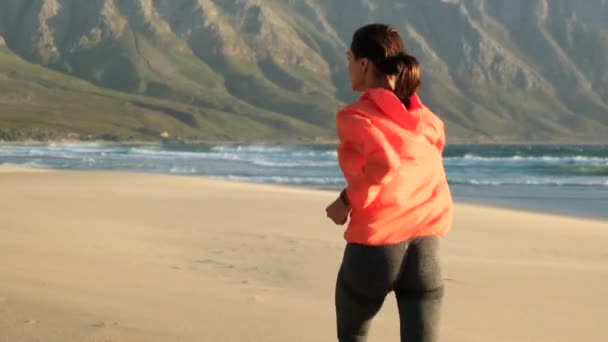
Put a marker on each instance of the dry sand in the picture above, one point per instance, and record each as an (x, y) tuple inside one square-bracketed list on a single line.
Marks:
[(132, 257)]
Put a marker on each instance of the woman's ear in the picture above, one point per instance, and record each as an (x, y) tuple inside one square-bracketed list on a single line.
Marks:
[(364, 64)]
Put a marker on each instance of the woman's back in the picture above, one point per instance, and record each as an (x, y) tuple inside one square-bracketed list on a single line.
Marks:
[(411, 196)]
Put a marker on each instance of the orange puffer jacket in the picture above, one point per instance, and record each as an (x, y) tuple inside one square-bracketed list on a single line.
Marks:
[(391, 158)]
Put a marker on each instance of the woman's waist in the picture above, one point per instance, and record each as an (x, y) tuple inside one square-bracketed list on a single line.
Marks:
[(386, 229)]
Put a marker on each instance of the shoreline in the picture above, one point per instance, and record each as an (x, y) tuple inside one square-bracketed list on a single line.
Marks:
[(320, 142), (472, 202)]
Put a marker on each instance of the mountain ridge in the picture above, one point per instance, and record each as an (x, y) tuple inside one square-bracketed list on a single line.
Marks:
[(494, 71)]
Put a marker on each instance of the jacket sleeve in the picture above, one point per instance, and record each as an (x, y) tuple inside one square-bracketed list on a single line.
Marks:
[(381, 162), (435, 131), (441, 141)]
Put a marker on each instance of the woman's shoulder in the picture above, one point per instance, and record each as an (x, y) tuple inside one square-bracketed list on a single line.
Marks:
[(354, 120), (361, 109), (428, 117)]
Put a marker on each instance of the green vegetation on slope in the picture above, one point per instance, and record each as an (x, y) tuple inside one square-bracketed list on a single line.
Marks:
[(39, 104)]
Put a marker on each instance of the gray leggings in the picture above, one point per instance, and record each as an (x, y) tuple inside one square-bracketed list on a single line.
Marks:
[(369, 273)]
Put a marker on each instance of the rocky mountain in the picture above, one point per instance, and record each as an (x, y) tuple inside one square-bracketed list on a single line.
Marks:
[(533, 70)]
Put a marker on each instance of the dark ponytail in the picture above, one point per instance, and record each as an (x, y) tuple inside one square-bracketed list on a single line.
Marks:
[(408, 81), (383, 45)]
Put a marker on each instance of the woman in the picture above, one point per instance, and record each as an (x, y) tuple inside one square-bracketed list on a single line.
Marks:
[(397, 197)]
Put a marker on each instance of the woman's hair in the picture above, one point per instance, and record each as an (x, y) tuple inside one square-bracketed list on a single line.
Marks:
[(383, 45)]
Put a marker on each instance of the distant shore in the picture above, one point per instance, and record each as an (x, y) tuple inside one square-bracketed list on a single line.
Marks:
[(292, 142)]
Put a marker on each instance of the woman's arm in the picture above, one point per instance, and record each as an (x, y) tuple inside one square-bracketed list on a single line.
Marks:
[(381, 160)]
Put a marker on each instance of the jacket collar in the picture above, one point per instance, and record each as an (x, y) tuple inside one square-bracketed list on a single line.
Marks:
[(390, 105)]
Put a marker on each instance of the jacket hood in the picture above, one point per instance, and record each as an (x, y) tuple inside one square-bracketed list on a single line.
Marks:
[(391, 106)]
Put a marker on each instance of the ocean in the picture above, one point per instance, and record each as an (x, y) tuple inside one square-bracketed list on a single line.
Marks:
[(563, 179)]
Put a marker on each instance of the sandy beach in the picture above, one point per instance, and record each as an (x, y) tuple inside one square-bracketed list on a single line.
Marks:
[(100, 256)]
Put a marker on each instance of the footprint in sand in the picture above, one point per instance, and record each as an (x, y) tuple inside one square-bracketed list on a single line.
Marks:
[(99, 324), (215, 263), (207, 261), (30, 321), (256, 299)]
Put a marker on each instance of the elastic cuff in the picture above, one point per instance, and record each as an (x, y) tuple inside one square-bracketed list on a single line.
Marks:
[(344, 198)]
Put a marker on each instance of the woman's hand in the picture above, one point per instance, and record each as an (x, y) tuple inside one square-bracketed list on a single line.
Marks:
[(338, 212)]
